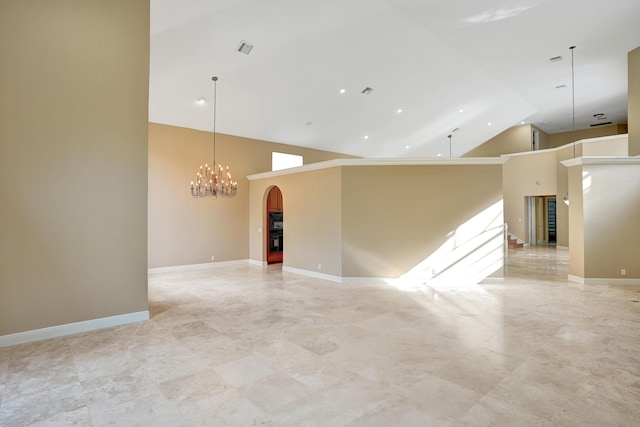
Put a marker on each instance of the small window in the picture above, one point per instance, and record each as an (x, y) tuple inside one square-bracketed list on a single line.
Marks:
[(284, 161)]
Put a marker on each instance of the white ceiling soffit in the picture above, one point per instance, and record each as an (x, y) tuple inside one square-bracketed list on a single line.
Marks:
[(488, 58)]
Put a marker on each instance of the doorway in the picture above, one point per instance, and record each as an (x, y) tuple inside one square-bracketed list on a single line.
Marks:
[(535, 139), (274, 226), (542, 220)]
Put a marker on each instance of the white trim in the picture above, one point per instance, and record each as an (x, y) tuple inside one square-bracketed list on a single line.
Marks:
[(197, 266), (562, 248), (368, 280), (601, 160), (575, 279), (525, 153), (435, 161), (313, 274), (339, 279), (601, 282), (569, 145), (72, 328), (258, 262)]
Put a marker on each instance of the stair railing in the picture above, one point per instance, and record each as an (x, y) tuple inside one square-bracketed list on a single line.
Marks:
[(506, 240)]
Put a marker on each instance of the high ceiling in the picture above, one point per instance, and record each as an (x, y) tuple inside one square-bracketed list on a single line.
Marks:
[(456, 64)]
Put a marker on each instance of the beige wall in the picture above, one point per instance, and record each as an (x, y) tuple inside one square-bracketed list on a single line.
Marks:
[(531, 174), (523, 171), (518, 138), (575, 214), (312, 219), (611, 220), (543, 140), (633, 112), (73, 161), (562, 212), (382, 221), (184, 230), (395, 217), (607, 146), (555, 140), (513, 140), (605, 219)]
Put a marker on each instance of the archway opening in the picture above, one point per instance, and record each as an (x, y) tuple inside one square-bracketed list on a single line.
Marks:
[(274, 226)]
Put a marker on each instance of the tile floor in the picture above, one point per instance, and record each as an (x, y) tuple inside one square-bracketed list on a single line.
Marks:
[(246, 346)]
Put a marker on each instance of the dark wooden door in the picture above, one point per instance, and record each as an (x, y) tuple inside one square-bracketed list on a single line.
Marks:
[(274, 226)]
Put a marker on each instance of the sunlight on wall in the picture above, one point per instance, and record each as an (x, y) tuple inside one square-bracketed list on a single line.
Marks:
[(471, 253), (586, 181)]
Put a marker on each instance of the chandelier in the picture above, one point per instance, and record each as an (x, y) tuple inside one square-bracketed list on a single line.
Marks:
[(213, 181)]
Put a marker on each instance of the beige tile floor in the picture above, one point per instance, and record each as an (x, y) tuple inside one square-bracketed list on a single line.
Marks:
[(246, 346)]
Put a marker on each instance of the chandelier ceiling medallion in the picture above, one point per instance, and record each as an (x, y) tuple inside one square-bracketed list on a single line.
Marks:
[(214, 181)]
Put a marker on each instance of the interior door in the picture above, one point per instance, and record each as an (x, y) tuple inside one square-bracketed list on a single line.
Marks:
[(274, 226)]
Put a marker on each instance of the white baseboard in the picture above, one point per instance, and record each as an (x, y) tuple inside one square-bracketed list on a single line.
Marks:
[(197, 266), (72, 328), (339, 279), (368, 280), (258, 262), (563, 248), (314, 274), (492, 280), (575, 279), (597, 281)]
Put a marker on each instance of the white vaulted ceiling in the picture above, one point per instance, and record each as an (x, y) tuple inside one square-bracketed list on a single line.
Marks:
[(489, 58)]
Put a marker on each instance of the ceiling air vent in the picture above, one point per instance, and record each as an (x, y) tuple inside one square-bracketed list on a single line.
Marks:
[(601, 124), (244, 47), (555, 59), (367, 90)]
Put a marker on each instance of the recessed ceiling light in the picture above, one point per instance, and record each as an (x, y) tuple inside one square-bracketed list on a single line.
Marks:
[(342, 91), (461, 110), (366, 137), (439, 155), (201, 101), (407, 147), (489, 124), (399, 110), (522, 122)]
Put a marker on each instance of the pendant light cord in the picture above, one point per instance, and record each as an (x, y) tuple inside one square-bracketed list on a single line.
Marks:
[(573, 103), (215, 92)]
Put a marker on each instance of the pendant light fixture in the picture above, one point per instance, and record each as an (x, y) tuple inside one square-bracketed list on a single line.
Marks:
[(450, 136), (565, 199), (214, 181)]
